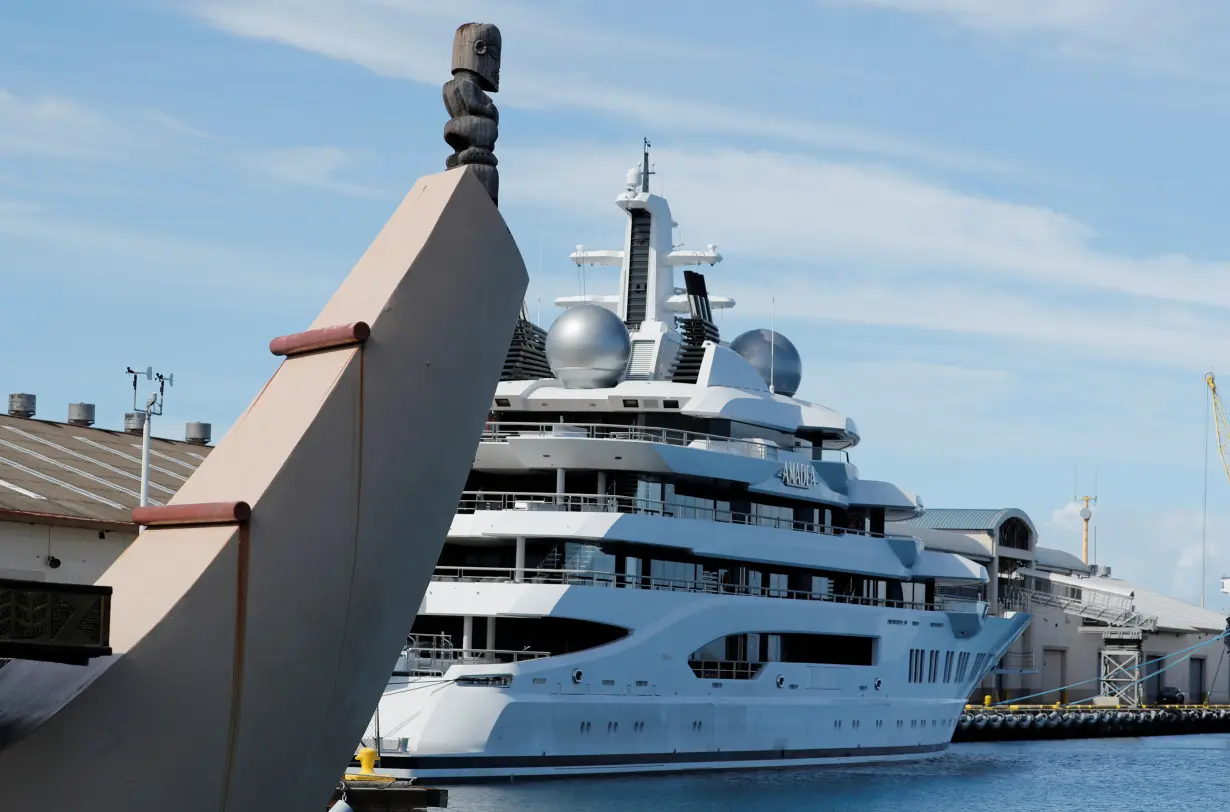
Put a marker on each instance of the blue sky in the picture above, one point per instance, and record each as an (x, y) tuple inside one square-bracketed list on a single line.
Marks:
[(992, 227)]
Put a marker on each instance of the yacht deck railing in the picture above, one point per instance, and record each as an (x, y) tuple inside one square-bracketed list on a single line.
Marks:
[(500, 432), (472, 501), (617, 580), (433, 654)]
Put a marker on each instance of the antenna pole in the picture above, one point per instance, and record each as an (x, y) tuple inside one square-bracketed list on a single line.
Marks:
[(1204, 508), (772, 340), (645, 171), (145, 437), (1086, 514)]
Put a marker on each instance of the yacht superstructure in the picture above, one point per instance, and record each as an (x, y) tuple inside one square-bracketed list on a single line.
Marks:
[(664, 560)]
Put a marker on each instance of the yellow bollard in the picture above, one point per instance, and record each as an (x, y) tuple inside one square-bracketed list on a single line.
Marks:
[(986, 701), (367, 761)]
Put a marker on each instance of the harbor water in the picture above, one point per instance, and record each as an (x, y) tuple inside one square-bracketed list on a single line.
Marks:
[(1124, 775)]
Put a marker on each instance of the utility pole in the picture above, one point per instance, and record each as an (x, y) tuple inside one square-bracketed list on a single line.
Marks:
[(1086, 515)]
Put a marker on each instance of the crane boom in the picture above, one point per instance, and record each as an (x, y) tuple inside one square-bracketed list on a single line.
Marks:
[(1221, 424)]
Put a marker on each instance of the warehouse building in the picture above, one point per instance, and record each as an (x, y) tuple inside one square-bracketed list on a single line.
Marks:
[(1088, 627), (67, 489)]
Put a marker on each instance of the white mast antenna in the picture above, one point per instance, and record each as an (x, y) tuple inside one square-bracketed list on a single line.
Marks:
[(772, 340)]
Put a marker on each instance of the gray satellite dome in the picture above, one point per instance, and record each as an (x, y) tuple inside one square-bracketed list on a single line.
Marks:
[(764, 349), (588, 347)]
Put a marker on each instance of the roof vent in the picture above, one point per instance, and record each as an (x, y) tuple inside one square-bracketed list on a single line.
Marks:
[(134, 422), (21, 405), (197, 433), (81, 414)]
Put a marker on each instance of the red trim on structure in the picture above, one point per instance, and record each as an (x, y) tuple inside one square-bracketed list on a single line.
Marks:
[(324, 338), (205, 513)]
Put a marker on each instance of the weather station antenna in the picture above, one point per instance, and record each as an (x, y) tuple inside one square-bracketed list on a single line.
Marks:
[(152, 409)]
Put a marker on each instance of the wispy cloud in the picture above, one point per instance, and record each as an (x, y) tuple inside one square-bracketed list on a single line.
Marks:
[(1129, 539), (54, 127), (883, 246), (232, 277), (313, 167), (1152, 35), (410, 41)]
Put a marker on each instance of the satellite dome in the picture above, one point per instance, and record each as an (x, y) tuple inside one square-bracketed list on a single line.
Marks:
[(588, 347), (774, 357)]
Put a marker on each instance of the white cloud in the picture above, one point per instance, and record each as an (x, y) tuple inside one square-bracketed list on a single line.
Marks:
[(226, 276), (1155, 35), (314, 167), (1158, 548), (552, 60), (53, 127), (871, 246)]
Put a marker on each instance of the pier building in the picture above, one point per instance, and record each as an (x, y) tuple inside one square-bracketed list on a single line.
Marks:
[(1088, 626)]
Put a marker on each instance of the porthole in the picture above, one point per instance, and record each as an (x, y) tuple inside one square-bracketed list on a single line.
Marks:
[(577, 675), (780, 680)]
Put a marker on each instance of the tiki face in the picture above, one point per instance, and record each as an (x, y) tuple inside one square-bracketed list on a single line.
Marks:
[(476, 48)]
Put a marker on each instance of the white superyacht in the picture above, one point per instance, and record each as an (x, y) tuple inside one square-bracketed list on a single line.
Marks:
[(664, 560)]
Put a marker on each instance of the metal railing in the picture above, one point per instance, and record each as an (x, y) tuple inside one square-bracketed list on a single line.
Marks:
[(725, 669), (472, 501), (432, 655), (1103, 607), (622, 581), (500, 432)]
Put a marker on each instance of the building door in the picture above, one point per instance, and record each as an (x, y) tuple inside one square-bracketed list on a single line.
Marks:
[(1054, 675), (1195, 693)]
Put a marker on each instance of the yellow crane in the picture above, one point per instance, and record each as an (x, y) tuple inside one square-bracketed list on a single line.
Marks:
[(1221, 425)]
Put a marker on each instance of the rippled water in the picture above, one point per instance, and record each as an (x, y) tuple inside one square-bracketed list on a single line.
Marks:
[(1174, 772)]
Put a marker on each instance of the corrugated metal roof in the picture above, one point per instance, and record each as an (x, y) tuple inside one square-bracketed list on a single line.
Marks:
[(1173, 615), (61, 471), (977, 520)]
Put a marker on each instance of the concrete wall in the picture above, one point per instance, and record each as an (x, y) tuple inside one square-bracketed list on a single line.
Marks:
[(83, 554), (1052, 631)]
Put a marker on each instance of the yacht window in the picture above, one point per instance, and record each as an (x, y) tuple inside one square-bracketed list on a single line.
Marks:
[(791, 647)]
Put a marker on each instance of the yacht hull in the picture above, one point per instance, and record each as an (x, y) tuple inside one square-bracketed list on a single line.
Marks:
[(638, 705)]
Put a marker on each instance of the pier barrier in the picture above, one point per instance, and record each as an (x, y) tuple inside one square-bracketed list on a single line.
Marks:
[(1022, 722)]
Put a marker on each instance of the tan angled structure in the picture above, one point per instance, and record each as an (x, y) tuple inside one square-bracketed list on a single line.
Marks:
[(255, 622)]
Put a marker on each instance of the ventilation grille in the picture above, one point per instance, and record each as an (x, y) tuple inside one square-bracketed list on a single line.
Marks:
[(638, 268), (640, 364), (527, 354)]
